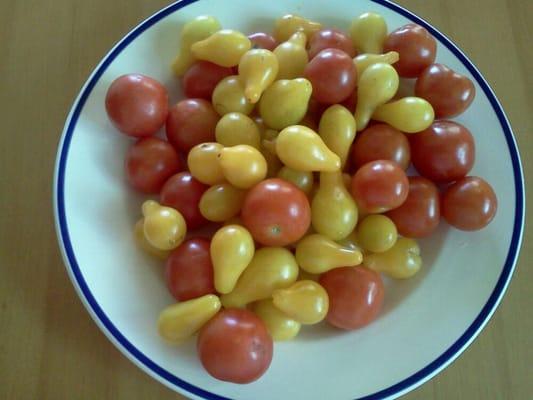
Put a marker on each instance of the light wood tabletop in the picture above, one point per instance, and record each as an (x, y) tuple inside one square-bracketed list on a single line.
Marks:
[(49, 346)]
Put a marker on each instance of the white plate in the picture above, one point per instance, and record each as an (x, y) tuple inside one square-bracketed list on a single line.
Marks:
[(427, 322)]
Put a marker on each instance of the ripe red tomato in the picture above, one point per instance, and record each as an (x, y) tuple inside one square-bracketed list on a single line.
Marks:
[(201, 79), (419, 215), (183, 192), (355, 296), (416, 46), (381, 142), (261, 40), (333, 76), (137, 105), (469, 204), (379, 186), (276, 212), (444, 152), (149, 163), (191, 122), (235, 346), (448, 92), (330, 39), (189, 271)]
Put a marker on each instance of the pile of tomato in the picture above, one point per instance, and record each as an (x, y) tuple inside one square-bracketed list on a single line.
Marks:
[(305, 215)]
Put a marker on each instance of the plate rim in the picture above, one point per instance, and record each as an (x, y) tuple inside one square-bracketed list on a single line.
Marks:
[(173, 381)]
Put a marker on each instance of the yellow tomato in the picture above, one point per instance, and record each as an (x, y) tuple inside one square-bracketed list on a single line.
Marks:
[(302, 179), (236, 128), (193, 31), (280, 326), (221, 202), (232, 248), (337, 130), (401, 261), (203, 163), (409, 115), (333, 210), (271, 268), (377, 233), (180, 321), (377, 85), (229, 96), (287, 25), (164, 227), (224, 47), (317, 254), (285, 102), (243, 166), (305, 301), (144, 244), (292, 57), (257, 69), (300, 148), (363, 61), (368, 32), (272, 160), (351, 242)]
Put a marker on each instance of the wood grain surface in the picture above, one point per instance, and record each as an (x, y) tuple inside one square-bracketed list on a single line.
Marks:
[(49, 346)]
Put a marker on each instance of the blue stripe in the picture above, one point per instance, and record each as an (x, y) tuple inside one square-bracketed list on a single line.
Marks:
[(407, 383)]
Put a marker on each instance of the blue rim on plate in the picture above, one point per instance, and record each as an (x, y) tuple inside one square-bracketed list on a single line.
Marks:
[(167, 377)]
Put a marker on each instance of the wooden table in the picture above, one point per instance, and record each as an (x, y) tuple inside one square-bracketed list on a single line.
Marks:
[(49, 347)]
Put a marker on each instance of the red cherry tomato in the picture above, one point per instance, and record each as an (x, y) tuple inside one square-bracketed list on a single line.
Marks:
[(235, 346), (191, 122), (355, 296), (381, 142), (469, 204), (183, 193), (137, 105), (448, 92), (261, 40), (416, 46), (276, 212), (333, 76), (330, 39), (201, 79), (444, 152), (189, 271), (419, 215), (149, 163), (351, 101), (379, 186)]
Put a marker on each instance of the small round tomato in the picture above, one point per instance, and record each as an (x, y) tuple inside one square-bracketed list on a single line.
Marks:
[(276, 212), (235, 346), (191, 122), (416, 47), (201, 79), (183, 192), (149, 163), (261, 40), (137, 105), (448, 92), (419, 215), (381, 142), (444, 152), (379, 186), (355, 296), (469, 204), (333, 76), (330, 39), (189, 271)]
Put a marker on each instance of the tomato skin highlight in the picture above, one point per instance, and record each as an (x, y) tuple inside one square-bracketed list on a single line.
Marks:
[(419, 215), (444, 152), (149, 163), (469, 204), (137, 105), (276, 212), (235, 346)]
